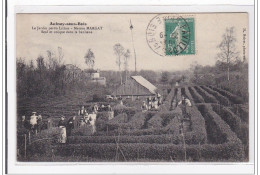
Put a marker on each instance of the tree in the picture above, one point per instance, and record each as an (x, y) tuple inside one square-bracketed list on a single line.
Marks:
[(165, 77), (127, 55), (228, 53), (119, 52), (52, 60), (40, 63), (90, 59), (61, 55)]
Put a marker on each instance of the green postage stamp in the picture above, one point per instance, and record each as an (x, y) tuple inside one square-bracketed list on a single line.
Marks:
[(179, 36)]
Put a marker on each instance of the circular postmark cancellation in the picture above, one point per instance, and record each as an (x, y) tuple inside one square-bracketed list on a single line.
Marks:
[(171, 34)]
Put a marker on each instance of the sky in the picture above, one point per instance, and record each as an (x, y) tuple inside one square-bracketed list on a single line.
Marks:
[(209, 29)]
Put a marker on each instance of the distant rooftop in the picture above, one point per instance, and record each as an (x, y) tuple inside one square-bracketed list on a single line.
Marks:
[(145, 83)]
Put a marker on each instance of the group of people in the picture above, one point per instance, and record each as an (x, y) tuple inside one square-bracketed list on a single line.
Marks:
[(34, 124), (88, 118), (152, 103), (65, 128)]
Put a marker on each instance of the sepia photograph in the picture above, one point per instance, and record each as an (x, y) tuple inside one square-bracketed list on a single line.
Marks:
[(123, 87)]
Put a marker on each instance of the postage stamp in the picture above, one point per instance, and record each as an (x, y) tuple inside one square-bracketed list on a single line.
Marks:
[(171, 35), (179, 36)]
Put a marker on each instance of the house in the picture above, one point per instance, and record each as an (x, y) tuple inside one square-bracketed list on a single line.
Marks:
[(136, 86), (95, 78)]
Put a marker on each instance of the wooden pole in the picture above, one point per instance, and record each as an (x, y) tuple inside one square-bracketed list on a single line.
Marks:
[(131, 28), (185, 156), (25, 145), (29, 137)]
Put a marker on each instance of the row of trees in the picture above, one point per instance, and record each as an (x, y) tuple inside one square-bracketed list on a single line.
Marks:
[(48, 77), (122, 59), (229, 72)]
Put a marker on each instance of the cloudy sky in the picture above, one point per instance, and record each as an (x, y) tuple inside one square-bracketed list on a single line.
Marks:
[(209, 29)]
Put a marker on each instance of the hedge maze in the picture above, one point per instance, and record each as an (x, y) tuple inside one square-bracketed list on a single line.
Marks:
[(217, 130)]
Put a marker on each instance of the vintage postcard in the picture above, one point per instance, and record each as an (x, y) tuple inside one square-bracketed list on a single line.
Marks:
[(132, 87)]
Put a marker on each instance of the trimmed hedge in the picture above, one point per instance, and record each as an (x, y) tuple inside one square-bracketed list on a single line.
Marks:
[(136, 122), (176, 98), (207, 97), (188, 94), (222, 99), (235, 123), (101, 121), (85, 130), (169, 98), (129, 111), (42, 143), (137, 132), (223, 132), (233, 98), (198, 133), (229, 117), (241, 111), (132, 151), (196, 96), (162, 119), (159, 139), (155, 121), (167, 117)]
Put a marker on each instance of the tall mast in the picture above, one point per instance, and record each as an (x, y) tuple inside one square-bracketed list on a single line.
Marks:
[(131, 28)]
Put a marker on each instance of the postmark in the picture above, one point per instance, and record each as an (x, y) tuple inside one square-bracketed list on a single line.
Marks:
[(171, 35)]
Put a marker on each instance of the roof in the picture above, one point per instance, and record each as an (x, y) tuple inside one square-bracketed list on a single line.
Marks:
[(145, 83)]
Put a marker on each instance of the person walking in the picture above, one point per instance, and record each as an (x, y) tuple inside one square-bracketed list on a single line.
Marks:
[(39, 123), (33, 122), (62, 126), (95, 108), (144, 107), (70, 125), (110, 112), (82, 112), (184, 103)]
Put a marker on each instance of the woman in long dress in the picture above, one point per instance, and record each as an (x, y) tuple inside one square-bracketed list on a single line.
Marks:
[(62, 127)]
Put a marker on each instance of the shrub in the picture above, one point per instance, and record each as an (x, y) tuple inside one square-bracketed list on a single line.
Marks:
[(207, 97), (241, 111), (155, 121), (233, 98), (198, 133), (135, 122), (85, 130), (176, 98), (218, 129), (42, 143), (187, 93), (222, 99), (148, 116), (121, 118), (167, 102), (101, 121), (159, 139), (241, 129), (98, 97), (132, 151), (196, 96), (229, 117), (137, 132), (168, 116), (120, 109)]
